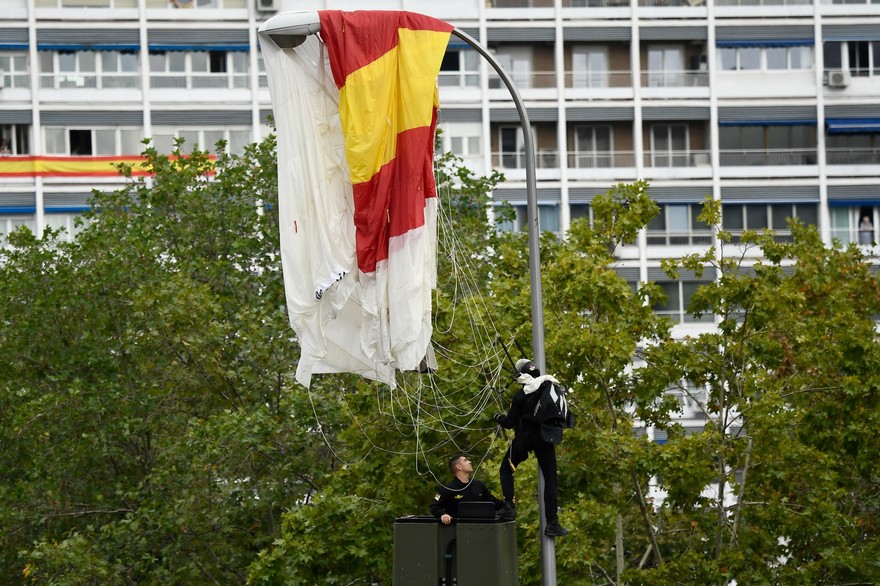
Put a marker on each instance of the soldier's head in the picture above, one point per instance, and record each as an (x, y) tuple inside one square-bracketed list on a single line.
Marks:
[(526, 366)]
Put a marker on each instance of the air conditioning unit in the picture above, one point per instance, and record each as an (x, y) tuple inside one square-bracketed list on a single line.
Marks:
[(838, 78), (268, 5)]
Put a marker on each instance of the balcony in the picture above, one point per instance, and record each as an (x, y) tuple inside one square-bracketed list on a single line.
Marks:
[(16, 80), (199, 81), (460, 79), (519, 3), (677, 79), (692, 238), (534, 79), (89, 81), (767, 157), (673, 158), (600, 159), (595, 3), (546, 159), (853, 156), (598, 79), (85, 3), (764, 2)]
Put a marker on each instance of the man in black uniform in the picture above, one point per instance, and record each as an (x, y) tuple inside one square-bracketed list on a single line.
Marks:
[(462, 488), (527, 438)]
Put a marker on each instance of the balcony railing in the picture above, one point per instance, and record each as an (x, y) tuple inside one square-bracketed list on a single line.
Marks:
[(694, 237), (203, 81), (90, 81), (85, 3), (595, 3), (519, 3), (668, 158), (17, 80), (534, 79), (598, 79), (778, 235), (600, 159), (459, 79), (546, 159), (763, 2), (670, 3), (675, 79), (850, 2), (853, 156), (767, 157), (196, 4)]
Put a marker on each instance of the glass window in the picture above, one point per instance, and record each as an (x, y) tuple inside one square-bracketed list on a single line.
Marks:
[(191, 139), (109, 61), (66, 62), (727, 58), (105, 142), (876, 55), (781, 213), (750, 58), (677, 216), (80, 141), (211, 138), (130, 142), (47, 62), (239, 62), (88, 61), (128, 62), (217, 61), (238, 139), (163, 142), (55, 143), (199, 60), (831, 52), (777, 58), (157, 62), (579, 210), (177, 61), (732, 216), (756, 217), (548, 216), (808, 213), (802, 58)]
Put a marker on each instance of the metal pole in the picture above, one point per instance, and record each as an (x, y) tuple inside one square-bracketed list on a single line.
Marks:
[(548, 545)]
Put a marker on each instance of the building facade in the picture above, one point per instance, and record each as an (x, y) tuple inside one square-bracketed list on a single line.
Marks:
[(770, 106)]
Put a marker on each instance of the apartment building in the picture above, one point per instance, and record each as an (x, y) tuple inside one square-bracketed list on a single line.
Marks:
[(770, 106)]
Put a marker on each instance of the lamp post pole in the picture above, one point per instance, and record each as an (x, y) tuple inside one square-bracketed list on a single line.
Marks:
[(289, 30), (548, 545)]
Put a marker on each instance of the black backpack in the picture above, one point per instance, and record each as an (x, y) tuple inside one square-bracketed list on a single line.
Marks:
[(552, 412)]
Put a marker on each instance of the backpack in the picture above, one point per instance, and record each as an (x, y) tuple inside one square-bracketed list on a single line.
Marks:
[(551, 412)]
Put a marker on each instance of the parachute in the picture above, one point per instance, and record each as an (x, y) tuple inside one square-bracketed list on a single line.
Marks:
[(355, 119)]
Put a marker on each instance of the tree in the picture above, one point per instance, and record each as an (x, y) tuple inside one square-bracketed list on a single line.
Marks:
[(149, 433)]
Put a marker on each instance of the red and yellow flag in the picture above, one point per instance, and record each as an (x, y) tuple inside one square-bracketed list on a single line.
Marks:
[(385, 64)]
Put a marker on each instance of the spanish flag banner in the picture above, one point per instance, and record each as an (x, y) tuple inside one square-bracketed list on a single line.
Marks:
[(355, 117)]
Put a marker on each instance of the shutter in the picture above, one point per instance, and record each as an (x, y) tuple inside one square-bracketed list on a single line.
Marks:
[(770, 194), (674, 33), (13, 38), (18, 200), (114, 39), (585, 194), (676, 113), (80, 118), (591, 34), (853, 111), (599, 114), (190, 118), (765, 115), (851, 32), (764, 35), (841, 195), (16, 117), (461, 115), (535, 115), (679, 193), (198, 40), (548, 195), (76, 201), (520, 34)]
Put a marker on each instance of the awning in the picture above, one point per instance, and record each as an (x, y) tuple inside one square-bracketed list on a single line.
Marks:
[(169, 47), (85, 47), (766, 43), (801, 122), (853, 125)]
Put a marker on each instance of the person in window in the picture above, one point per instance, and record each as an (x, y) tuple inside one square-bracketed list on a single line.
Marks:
[(866, 231), (5, 151), (461, 489)]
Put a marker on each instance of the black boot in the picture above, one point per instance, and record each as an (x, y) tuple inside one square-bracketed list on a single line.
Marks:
[(554, 529), (508, 512)]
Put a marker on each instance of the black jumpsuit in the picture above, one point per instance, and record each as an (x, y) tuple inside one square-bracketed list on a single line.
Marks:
[(527, 438)]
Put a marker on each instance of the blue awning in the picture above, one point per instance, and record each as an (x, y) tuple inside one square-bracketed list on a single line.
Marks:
[(18, 210), (853, 125), (801, 122), (767, 43), (13, 46), (166, 47), (83, 47)]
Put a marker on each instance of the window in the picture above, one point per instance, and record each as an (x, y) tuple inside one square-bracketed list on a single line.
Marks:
[(459, 68), (15, 70), (517, 62), (589, 67), (199, 69), (593, 147), (665, 66), (853, 149), (854, 224), (14, 139), (92, 141), (513, 147), (12, 222), (204, 139), (677, 224), (577, 211), (861, 58), (737, 218), (548, 218), (89, 69), (765, 58), (767, 145), (66, 222), (679, 294), (462, 139), (669, 145)]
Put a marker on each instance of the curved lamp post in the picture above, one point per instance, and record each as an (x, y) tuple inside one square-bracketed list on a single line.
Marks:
[(289, 30)]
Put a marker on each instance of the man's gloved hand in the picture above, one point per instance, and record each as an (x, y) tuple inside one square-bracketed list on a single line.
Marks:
[(498, 417)]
